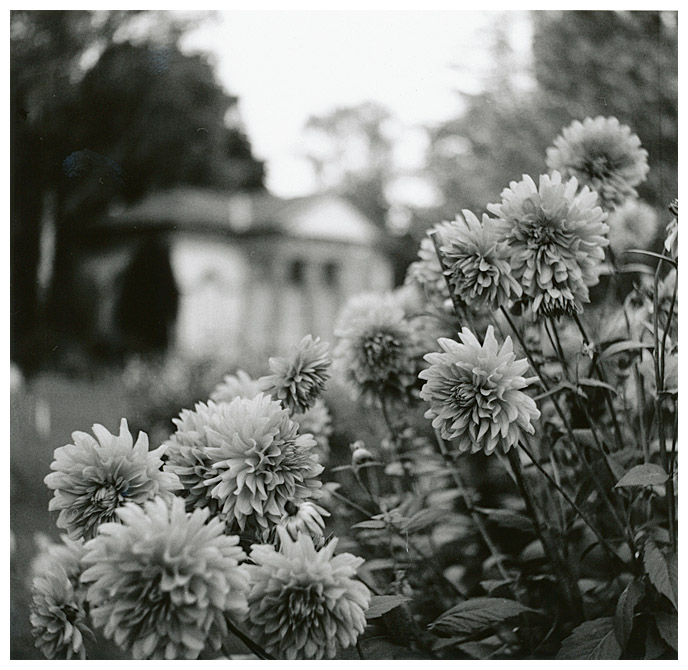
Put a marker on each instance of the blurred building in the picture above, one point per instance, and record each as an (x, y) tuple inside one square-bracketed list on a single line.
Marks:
[(231, 276)]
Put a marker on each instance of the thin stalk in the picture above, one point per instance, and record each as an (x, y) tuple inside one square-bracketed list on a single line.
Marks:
[(567, 424), (458, 309), (477, 520), (601, 375), (603, 542), (567, 580), (659, 382), (640, 393), (251, 644)]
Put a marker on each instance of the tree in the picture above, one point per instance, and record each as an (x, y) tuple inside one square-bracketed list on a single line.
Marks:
[(143, 116)]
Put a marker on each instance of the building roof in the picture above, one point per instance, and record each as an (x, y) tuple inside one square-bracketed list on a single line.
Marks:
[(318, 217)]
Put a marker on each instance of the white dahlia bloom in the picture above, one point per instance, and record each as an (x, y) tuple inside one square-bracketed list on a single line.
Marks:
[(304, 602), (556, 236), (162, 581), (299, 379), (475, 395), (92, 478), (602, 154), (260, 460)]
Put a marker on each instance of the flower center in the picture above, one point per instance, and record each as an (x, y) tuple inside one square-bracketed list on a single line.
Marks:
[(381, 350), (598, 166), (464, 394), (305, 601), (107, 497)]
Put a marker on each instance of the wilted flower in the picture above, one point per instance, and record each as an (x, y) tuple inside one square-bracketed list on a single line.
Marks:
[(377, 347), (162, 581), (632, 225), (261, 461), (240, 385), (426, 272), (318, 422), (477, 263), (299, 379), (304, 518), (304, 602), (602, 154), (556, 238), (58, 618), (187, 454), (475, 393), (93, 478)]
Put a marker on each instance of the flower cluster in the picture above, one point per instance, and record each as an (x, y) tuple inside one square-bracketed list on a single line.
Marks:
[(298, 380), (602, 154), (304, 602), (475, 393), (556, 237), (162, 581), (94, 477)]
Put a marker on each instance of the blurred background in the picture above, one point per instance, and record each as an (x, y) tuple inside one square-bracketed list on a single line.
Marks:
[(192, 192)]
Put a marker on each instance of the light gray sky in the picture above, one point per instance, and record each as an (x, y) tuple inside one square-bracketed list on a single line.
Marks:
[(288, 65)]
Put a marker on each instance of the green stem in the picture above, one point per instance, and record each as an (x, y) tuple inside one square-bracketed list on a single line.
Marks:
[(477, 520), (251, 644), (567, 582), (659, 383), (603, 542), (607, 394)]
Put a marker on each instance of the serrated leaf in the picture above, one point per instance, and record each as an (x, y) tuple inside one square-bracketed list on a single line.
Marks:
[(475, 615), (625, 608), (506, 518), (591, 641), (626, 345), (423, 520), (371, 524), (667, 625), (661, 571), (647, 474), (380, 605)]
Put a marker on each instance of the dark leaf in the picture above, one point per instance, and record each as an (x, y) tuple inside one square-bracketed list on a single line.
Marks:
[(596, 383), (506, 518), (591, 641), (626, 345), (647, 474), (654, 644), (667, 625), (380, 605), (475, 615), (381, 649), (423, 520), (662, 571), (625, 608)]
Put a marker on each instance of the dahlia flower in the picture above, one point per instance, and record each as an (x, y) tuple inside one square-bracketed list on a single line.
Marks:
[(632, 225), (162, 581), (304, 518), (318, 422), (240, 385), (376, 349), (66, 555), (602, 154), (475, 395), (477, 263), (92, 478), (261, 461), (556, 238), (426, 272), (299, 379), (187, 454), (304, 602), (58, 618)]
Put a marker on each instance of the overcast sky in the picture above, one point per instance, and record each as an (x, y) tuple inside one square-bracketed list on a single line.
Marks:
[(286, 66)]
